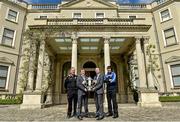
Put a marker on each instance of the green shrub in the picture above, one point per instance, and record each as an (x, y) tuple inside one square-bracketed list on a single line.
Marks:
[(169, 98), (10, 101)]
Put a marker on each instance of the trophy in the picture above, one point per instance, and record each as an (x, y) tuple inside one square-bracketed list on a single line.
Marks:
[(89, 84)]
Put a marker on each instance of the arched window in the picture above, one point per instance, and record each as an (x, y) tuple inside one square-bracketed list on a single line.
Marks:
[(89, 64), (65, 69), (114, 69)]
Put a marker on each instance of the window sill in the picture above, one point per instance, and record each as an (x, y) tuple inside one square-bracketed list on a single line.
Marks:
[(176, 88), (166, 20), (3, 90), (171, 45), (7, 46), (15, 22)]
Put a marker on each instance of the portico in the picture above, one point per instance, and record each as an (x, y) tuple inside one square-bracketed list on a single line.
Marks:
[(68, 49)]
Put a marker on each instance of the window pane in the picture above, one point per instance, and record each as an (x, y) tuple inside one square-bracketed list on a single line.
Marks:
[(7, 41), (77, 15), (176, 81), (8, 33), (165, 15), (171, 41), (169, 32), (175, 69), (2, 82), (99, 15), (3, 71), (12, 15)]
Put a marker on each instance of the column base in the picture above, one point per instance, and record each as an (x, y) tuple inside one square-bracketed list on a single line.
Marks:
[(32, 101), (149, 98)]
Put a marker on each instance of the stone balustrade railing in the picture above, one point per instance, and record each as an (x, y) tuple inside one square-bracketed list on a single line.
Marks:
[(133, 6), (44, 6), (90, 21)]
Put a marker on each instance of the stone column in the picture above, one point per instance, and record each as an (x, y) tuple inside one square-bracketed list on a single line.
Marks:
[(32, 62), (34, 100), (74, 53), (141, 64), (40, 67), (147, 97), (150, 80), (107, 61)]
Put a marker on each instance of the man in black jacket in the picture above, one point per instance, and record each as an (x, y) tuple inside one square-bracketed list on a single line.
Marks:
[(98, 94), (82, 94), (71, 87)]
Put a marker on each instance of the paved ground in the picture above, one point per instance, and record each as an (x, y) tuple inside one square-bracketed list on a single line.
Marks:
[(127, 112)]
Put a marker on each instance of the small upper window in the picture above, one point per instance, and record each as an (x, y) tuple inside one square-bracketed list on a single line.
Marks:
[(99, 15), (170, 37), (77, 15), (3, 76), (12, 15), (165, 15), (132, 17), (175, 70), (8, 37), (43, 17)]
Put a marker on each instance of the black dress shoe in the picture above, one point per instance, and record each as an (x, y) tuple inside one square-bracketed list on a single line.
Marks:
[(100, 118), (109, 114), (115, 116), (68, 116), (80, 118), (96, 116), (74, 114)]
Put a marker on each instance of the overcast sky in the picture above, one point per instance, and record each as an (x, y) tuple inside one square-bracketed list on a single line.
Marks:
[(57, 1)]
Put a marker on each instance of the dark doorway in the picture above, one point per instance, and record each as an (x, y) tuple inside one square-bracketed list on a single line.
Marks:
[(90, 72)]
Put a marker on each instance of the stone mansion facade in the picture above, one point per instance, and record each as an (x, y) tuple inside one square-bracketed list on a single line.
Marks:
[(40, 42)]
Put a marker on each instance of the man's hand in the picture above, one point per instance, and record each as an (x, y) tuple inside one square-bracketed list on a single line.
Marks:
[(85, 90)]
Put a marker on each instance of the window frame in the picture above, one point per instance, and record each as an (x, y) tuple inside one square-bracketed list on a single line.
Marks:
[(76, 13), (7, 15), (13, 40), (99, 13), (170, 15), (132, 16), (165, 39), (172, 76), (7, 77)]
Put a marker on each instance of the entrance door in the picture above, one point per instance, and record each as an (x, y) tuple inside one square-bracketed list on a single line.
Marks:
[(90, 72)]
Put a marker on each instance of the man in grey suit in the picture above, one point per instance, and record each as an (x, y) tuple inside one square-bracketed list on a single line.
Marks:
[(98, 94), (82, 94)]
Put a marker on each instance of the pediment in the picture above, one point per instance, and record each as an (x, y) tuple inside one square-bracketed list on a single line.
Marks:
[(6, 60), (173, 59), (88, 4)]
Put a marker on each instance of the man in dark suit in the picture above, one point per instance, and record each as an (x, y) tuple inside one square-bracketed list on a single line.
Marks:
[(82, 94), (70, 85), (98, 94)]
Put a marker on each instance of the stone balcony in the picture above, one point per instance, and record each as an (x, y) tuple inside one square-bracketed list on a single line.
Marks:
[(94, 21)]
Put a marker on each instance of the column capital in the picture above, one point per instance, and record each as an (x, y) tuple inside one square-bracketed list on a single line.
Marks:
[(106, 39), (74, 39), (146, 39)]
